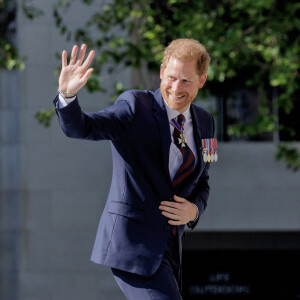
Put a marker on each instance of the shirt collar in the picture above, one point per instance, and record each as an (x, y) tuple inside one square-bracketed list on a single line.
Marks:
[(175, 113)]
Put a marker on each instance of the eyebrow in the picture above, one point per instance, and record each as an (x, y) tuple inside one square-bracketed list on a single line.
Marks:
[(184, 78)]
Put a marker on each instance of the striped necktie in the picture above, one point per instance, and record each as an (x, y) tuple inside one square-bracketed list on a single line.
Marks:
[(188, 156), (188, 162)]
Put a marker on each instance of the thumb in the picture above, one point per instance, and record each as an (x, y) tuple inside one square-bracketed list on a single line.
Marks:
[(87, 75)]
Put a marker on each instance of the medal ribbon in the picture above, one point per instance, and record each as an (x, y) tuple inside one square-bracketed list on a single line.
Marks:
[(208, 146), (175, 124)]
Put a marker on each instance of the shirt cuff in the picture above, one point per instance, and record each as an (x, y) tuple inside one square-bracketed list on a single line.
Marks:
[(62, 102)]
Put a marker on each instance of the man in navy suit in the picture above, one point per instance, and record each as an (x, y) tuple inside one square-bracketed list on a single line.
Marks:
[(160, 181)]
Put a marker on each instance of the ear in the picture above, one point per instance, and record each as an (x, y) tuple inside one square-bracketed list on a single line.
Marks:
[(202, 81), (161, 72)]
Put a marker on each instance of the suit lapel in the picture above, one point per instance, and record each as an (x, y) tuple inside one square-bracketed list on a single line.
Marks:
[(197, 134), (161, 117)]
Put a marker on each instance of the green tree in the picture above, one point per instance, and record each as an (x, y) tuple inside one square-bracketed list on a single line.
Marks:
[(254, 45), (9, 57)]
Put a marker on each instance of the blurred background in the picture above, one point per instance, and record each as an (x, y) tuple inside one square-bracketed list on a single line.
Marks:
[(53, 189)]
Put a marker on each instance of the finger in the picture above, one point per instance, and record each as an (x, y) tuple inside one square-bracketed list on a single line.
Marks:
[(175, 223), (81, 55), (88, 59), (171, 216), (64, 59), (73, 55), (169, 209), (179, 199), (171, 204), (87, 75)]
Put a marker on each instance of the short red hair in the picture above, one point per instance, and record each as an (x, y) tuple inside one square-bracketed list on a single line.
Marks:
[(187, 50)]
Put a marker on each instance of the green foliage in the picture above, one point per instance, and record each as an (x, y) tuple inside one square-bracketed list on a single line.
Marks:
[(44, 116), (31, 12), (118, 90), (9, 57), (253, 45), (290, 155)]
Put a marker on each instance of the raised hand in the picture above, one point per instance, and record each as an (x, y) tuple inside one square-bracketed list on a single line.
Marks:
[(74, 75)]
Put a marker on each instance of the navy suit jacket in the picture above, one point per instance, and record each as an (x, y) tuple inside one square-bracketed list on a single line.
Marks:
[(132, 233)]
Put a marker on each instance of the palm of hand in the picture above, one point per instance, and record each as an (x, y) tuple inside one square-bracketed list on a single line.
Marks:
[(70, 79), (75, 75)]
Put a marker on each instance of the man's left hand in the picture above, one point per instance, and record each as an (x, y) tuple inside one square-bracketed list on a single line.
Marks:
[(179, 212)]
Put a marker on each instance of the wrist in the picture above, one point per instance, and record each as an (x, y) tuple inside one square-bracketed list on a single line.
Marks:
[(66, 94), (196, 212)]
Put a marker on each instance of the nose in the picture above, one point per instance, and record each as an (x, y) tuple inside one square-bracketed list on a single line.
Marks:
[(176, 86)]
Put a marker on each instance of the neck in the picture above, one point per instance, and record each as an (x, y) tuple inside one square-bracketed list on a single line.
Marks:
[(183, 109)]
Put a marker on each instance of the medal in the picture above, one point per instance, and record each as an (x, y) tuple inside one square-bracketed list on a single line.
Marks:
[(213, 142), (209, 150), (216, 157), (208, 157), (181, 139), (204, 155), (215, 149)]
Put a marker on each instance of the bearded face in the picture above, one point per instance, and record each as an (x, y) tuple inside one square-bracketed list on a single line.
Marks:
[(180, 83)]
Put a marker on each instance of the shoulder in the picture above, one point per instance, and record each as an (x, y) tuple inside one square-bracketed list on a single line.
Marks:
[(130, 103), (129, 94), (133, 95), (203, 119), (136, 98), (201, 112)]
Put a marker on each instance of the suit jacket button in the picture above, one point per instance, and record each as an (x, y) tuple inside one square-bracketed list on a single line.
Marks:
[(171, 199)]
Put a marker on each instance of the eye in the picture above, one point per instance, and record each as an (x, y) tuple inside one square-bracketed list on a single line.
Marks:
[(186, 81), (171, 78)]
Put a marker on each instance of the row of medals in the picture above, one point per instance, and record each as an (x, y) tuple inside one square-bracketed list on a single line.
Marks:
[(209, 152), (209, 156)]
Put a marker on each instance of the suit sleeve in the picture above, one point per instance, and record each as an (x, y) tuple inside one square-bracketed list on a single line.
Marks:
[(107, 124), (201, 192)]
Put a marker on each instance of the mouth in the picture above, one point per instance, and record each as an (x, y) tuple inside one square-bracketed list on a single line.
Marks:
[(176, 97)]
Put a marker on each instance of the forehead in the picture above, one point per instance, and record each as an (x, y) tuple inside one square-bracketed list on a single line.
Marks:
[(182, 68)]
